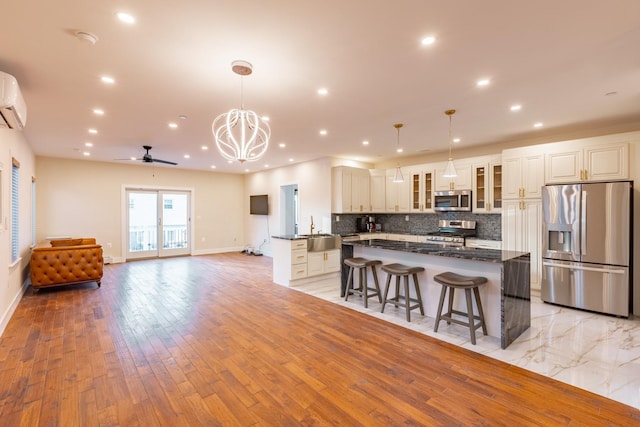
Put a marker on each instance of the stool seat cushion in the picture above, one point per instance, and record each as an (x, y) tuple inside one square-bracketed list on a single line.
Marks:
[(457, 280), (361, 262), (401, 270)]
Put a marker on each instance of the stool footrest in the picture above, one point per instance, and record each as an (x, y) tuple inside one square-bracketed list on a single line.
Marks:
[(448, 317)]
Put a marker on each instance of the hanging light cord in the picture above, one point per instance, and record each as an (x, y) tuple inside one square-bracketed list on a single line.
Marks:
[(450, 141)]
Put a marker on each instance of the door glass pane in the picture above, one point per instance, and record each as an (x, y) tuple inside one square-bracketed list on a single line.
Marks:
[(174, 220), (143, 222)]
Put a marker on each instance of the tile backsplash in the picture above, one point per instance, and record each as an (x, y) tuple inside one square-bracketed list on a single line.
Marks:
[(489, 226)]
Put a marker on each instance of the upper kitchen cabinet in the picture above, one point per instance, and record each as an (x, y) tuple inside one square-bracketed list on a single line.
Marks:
[(378, 183), (350, 190), (522, 173), (581, 160), (421, 183), (487, 184), (460, 182), (397, 193)]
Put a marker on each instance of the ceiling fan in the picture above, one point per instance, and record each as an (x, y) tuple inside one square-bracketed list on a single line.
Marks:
[(146, 158)]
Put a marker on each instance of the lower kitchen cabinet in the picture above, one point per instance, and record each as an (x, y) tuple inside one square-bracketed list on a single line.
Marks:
[(522, 231), (323, 262)]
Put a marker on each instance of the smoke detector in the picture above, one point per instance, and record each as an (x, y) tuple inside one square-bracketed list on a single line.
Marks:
[(86, 37)]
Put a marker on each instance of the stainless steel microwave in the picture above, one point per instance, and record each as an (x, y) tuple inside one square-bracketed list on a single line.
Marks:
[(455, 200)]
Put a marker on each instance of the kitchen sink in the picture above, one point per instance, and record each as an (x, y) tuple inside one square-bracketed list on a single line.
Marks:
[(322, 242)]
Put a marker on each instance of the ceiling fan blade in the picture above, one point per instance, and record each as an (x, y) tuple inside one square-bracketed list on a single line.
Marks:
[(164, 161)]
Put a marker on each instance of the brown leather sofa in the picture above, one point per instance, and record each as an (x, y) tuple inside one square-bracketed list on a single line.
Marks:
[(66, 262)]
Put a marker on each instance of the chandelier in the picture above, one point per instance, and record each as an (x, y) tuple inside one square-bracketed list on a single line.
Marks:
[(241, 134), (450, 169)]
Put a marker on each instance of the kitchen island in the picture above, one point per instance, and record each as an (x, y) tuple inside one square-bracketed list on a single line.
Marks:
[(505, 297)]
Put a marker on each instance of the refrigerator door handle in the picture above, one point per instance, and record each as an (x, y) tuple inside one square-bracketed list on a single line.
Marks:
[(574, 267), (583, 225)]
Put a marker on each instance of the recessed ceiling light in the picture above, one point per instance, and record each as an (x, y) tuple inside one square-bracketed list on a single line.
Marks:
[(173, 125), (291, 160), (246, 170), (204, 148), (538, 125), (98, 112), (108, 80), (456, 140), (126, 18), (266, 166), (86, 153), (483, 82), (266, 118), (429, 40), (323, 132), (182, 117), (88, 144), (132, 158), (186, 156), (282, 145), (365, 142), (399, 150), (516, 107), (93, 131), (229, 161), (213, 166), (322, 91)]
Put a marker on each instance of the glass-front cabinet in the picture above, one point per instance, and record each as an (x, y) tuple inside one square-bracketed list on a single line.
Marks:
[(487, 184), (421, 182)]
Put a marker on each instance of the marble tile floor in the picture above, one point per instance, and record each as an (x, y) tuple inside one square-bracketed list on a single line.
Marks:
[(591, 351)]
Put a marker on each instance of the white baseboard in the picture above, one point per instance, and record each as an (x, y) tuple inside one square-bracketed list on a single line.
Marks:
[(217, 250), (6, 316)]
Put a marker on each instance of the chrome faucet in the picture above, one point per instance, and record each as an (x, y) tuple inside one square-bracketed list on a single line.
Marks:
[(312, 226)]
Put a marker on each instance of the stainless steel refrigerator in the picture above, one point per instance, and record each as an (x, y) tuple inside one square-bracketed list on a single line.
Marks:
[(586, 246)]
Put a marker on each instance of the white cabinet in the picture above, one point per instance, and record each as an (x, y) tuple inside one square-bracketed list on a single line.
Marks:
[(460, 182), (402, 237), (397, 193), (487, 184), (522, 231), (421, 185), (289, 260), (350, 190), (473, 242), (323, 262), (586, 161), (522, 173), (378, 183)]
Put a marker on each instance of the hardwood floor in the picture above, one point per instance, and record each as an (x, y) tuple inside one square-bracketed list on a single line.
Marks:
[(210, 340)]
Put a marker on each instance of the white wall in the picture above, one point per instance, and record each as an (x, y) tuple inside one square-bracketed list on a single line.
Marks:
[(83, 198), (314, 192), (12, 277)]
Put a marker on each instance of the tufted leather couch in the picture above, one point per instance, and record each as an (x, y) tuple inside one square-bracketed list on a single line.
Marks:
[(66, 262)]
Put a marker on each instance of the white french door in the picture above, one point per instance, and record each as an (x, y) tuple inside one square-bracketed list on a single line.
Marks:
[(158, 223)]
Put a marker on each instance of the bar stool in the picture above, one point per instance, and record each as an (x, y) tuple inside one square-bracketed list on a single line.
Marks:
[(454, 281), (399, 270), (363, 289)]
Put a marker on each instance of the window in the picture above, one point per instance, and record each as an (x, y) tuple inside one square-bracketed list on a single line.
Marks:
[(15, 197)]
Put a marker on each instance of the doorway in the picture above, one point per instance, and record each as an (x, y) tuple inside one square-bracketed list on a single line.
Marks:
[(158, 223), (289, 207)]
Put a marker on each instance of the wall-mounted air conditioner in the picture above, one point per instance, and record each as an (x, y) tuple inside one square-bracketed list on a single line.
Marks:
[(13, 110)]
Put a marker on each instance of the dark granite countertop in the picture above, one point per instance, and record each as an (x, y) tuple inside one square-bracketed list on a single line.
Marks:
[(460, 252), (291, 237)]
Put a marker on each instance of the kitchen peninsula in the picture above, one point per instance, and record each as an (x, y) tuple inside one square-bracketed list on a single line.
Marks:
[(505, 297)]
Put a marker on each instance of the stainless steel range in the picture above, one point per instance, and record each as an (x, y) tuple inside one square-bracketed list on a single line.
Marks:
[(452, 232)]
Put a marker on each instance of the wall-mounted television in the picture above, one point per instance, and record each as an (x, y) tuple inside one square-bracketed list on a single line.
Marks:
[(259, 205)]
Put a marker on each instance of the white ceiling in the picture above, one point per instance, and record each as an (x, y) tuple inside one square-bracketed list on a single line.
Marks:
[(558, 59)]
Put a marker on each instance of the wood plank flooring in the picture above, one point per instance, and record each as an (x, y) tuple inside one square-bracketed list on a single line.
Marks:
[(211, 341)]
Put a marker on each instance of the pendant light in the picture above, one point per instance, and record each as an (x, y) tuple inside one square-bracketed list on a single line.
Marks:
[(241, 134), (450, 169), (398, 176)]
